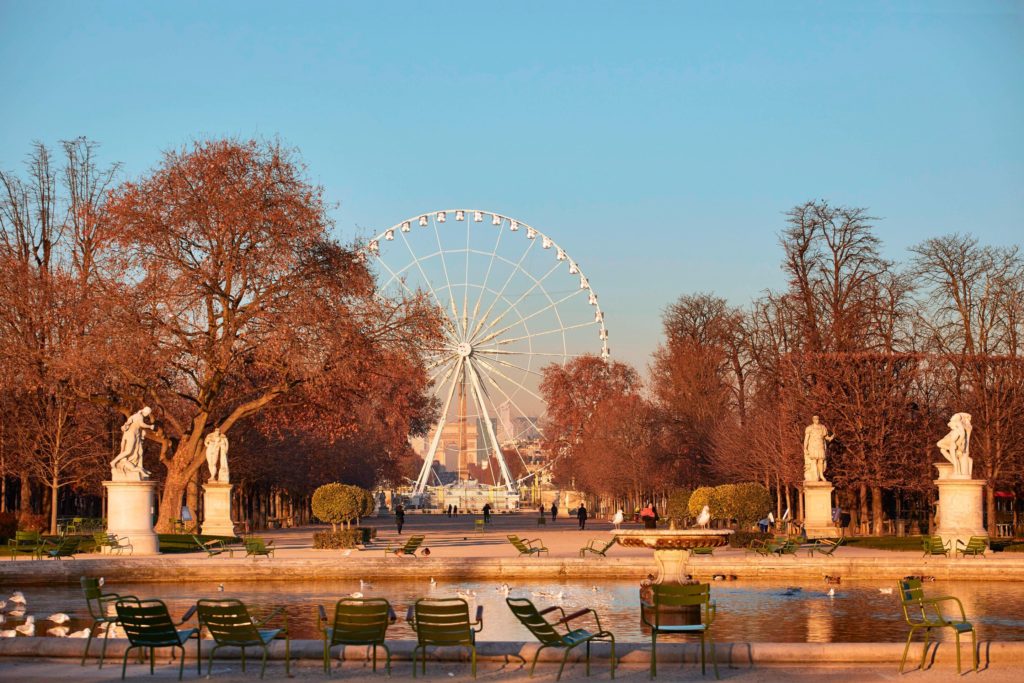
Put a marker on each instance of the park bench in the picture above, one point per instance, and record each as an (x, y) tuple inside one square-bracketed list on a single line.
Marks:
[(977, 545), (933, 545)]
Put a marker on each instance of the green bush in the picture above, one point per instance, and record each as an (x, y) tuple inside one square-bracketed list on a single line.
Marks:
[(723, 502), (700, 498), (677, 508), (337, 504), (345, 538), (741, 539), (752, 502)]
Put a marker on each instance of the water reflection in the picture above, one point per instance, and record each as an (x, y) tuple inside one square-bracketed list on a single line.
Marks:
[(747, 610)]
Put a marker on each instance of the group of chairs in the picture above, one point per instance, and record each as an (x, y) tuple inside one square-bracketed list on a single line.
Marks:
[(34, 545), (788, 545), (253, 546), (975, 546)]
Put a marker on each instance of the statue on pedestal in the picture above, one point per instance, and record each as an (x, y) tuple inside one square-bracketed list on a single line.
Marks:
[(217, 455), (127, 466), (816, 439), (956, 445)]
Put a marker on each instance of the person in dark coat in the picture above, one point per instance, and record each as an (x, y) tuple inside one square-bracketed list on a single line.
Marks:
[(554, 512), (399, 518), (487, 513), (581, 515)]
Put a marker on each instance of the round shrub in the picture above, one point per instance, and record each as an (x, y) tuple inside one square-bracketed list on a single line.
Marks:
[(700, 498), (677, 508), (753, 502), (336, 504)]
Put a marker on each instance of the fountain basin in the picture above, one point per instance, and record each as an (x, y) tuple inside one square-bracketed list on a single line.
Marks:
[(671, 547)]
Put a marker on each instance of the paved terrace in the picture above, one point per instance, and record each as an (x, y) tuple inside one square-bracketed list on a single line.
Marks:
[(458, 551)]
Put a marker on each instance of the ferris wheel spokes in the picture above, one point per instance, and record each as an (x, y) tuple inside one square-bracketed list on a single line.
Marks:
[(522, 296), (428, 457), (504, 286), (482, 404), (551, 305)]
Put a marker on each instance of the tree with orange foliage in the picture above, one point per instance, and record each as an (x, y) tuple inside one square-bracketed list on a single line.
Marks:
[(244, 303)]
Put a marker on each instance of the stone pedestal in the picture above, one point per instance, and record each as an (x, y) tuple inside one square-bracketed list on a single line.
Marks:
[(130, 509), (217, 509), (961, 502), (818, 510)]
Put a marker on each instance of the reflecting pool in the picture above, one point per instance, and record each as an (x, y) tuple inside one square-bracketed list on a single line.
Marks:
[(756, 611)]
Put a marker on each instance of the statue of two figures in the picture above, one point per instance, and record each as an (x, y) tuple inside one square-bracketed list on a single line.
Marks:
[(956, 445), (127, 466), (217, 455), (816, 440)]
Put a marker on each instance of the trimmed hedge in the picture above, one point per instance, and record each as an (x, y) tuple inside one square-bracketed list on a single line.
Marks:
[(343, 538), (741, 539)]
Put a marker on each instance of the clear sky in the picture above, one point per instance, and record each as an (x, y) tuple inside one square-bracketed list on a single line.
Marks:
[(659, 143)]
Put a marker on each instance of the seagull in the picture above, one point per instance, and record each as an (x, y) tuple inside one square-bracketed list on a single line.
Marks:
[(17, 597), (704, 517), (58, 618), (365, 584), (357, 595), (59, 631), (3, 603), (17, 613), (2, 619), (831, 592), (101, 581), (432, 582), (503, 589), (28, 628), (346, 552), (885, 591), (84, 633), (220, 588), (594, 588), (9, 633)]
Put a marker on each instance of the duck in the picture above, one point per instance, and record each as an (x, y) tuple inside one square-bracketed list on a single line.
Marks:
[(84, 633), (718, 577), (792, 590), (58, 631), (835, 580), (28, 628), (58, 618)]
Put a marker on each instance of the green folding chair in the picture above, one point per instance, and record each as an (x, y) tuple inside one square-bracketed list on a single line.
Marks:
[(357, 621), (923, 613), (102, 610), (148, 625), (230, 625), (674, 595), (549, 636), (443, 622)]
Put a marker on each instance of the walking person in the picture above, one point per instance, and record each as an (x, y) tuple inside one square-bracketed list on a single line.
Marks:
[(455, 510), (399, 518), (541, 510), (487, 513), (554, 512), (581, 515), (448, 511)]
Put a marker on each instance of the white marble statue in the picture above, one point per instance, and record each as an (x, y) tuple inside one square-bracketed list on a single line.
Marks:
[(127, 466), (816, 439), (956, 445), (217, 455)]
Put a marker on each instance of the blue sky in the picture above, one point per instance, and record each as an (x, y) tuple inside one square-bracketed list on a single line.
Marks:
[(659, 143)]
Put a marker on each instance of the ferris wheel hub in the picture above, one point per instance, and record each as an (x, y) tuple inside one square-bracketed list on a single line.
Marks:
[(465, 349)]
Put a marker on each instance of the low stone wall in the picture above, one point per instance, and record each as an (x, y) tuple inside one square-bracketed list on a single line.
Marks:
[(732, 654), (332, 566)]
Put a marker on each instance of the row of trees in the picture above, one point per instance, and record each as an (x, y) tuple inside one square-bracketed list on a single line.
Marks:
[(884, 352), (212, 290)]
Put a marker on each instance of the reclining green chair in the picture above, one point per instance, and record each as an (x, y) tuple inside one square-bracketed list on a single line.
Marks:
[(527, 547), (443, 622), (357, 621), (65, 546), (550, 637), (147, 624), (215, 546), (673, 595), (598, 547), (230, 625), (26, 543), (408, 548), (977, 545), (824, 546), (256, 546), (933, 545), (926, 613), (102, 610)]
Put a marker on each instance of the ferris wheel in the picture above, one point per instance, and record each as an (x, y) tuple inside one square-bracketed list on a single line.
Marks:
[(512, 301)]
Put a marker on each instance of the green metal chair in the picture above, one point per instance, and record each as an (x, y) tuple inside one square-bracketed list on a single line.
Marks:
[(823, 546), (550, 637), (256, 546), (443, 622), (598, 547), (230, 625), (977, 545), (408, 548), (681, 595), (702, 551), (933, 545), (102, 610), (215, 546), (26, 543), (64, 547), (926, 613), (478, 525), (527, 547), (357, 621), (148, 624)]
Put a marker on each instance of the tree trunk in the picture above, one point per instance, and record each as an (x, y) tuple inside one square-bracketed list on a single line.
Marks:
[(25, 495), (990, 508), (876, 509), (54, 490), (192, 498), (180, 469), (863, 491)]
